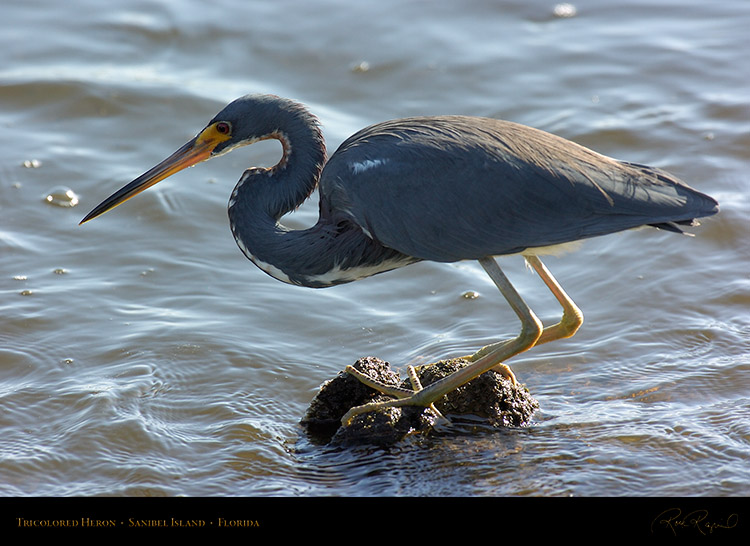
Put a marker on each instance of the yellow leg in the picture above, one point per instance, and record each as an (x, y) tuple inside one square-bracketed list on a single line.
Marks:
[(572, 317), (531, 330), (571, 320)]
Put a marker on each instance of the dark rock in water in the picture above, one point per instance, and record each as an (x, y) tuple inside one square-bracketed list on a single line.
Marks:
[(490, 396), (340, 394)]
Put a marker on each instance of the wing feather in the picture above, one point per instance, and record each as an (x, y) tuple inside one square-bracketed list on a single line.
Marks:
[(451, 188)]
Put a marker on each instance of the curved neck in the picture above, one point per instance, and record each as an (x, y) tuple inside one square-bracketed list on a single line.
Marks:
[(335, 250), (262, 196), (285, 186)]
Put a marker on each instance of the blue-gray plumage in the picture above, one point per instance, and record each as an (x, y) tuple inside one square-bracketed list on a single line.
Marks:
[(443, 188)]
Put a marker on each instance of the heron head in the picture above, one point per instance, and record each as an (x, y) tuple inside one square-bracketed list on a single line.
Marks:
[(230, 128)]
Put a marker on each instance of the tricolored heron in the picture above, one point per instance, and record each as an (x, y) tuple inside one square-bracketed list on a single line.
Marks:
[(443, 188)]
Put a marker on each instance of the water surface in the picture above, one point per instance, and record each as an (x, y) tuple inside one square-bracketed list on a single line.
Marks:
[(142, 355)]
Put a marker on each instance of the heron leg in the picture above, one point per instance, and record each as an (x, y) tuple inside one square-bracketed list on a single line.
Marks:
[(531, 330), (571, 320), (572, 317)]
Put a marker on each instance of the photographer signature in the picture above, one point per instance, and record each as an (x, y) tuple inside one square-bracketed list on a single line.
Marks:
[(698, 520)]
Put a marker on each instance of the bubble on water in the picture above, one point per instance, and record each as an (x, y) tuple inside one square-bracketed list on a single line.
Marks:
[(61, 197), (362, 66), (470, 295), (564, 10), (32, 163)]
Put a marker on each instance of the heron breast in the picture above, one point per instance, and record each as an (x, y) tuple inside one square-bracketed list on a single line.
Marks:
[(341, 275)]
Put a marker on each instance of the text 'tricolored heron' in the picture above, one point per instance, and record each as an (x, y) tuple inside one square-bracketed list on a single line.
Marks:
[(444, 188)]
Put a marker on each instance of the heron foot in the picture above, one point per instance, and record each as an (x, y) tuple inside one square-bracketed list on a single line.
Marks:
[(445, 379), (501, 368), (402, 396)]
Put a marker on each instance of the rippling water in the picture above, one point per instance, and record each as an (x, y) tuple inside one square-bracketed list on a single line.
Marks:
[(142, 355)]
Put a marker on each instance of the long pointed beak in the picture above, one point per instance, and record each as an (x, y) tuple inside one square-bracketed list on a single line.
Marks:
[(197, 150)]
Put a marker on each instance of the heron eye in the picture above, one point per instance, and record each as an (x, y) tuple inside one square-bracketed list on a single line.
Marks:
[(224, 127)]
